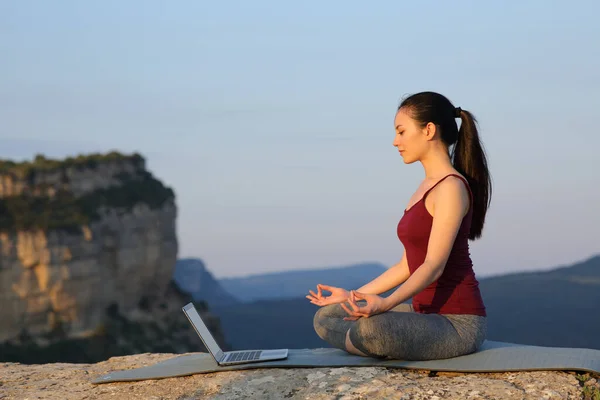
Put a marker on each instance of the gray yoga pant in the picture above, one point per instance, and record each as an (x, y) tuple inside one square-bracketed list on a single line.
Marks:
[(402, 333)]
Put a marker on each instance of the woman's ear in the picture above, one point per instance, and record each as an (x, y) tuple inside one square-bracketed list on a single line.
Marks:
[(430, 130)]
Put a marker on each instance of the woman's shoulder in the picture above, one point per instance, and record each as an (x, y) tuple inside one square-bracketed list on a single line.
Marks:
[(452, 181), (452, 184), (453, 188)]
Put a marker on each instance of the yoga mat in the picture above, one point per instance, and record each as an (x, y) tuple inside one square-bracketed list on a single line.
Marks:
[(491, 357)]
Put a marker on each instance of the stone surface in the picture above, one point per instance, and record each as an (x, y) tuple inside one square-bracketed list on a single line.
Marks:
[(72, 381)]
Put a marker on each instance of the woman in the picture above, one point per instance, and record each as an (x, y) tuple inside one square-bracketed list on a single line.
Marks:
[(447, 317)]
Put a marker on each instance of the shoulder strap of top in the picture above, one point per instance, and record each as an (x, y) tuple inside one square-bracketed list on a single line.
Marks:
[(458, 176)]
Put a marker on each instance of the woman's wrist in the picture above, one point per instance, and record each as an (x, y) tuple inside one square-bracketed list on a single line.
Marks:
[(388, 303)]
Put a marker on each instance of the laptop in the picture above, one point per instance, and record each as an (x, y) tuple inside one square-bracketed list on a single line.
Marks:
[(228, 357)]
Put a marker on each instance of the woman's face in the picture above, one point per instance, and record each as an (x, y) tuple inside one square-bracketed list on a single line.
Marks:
[(410, 139)]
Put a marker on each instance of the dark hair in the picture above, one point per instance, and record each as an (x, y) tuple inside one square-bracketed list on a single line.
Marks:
[(468, 155)]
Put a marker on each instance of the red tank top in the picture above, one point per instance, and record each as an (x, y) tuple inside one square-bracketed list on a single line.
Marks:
[(457, 290)]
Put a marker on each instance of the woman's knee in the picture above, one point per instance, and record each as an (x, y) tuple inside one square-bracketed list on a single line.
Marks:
[(481, 335), (329, 311), (317, 323), (320, 316)]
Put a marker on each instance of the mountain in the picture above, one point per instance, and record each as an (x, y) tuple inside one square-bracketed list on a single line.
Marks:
[(192, 277), (550, 308), (559, 307), (269, 324), (293, 284)]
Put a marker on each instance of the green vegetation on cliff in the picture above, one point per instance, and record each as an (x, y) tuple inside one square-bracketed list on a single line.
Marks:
[(28, 169), (65, 211)]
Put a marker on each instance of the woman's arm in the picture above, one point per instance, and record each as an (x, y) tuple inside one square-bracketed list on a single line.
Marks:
[(450, 200), (392, 277)]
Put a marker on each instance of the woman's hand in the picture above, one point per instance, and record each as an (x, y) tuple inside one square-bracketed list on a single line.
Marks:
[(375, 305), (338, 295)]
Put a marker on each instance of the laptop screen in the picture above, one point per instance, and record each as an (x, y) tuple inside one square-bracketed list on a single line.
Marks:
[(202, 330)]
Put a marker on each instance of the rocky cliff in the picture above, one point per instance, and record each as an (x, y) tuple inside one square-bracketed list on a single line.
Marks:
[(70, 382), (83, 241)]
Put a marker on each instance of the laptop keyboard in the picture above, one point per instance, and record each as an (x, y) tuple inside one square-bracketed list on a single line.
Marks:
[(243, 355)]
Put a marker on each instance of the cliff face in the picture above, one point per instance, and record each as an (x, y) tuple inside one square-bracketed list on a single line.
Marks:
[(51, 278), (80, 239)]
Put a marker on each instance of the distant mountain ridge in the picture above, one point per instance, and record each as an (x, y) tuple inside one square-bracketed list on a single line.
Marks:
[(296, 283), (558, 307), (192, 277)]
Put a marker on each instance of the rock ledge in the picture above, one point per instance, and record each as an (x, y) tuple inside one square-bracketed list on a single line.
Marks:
[(73, 381)]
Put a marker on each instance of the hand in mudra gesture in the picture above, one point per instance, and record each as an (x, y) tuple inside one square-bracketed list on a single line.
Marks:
[(375, 305), (338, 295)]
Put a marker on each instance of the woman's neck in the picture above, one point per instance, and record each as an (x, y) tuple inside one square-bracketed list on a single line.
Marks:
[(437, 164)]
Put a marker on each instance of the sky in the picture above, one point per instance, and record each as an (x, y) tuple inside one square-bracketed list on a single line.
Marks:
[(273, 121)]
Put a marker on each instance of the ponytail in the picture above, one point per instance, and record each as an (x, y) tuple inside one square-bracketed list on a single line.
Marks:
[(468, 157)]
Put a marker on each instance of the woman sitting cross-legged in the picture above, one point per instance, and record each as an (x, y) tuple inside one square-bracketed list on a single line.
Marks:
[(447, 317)]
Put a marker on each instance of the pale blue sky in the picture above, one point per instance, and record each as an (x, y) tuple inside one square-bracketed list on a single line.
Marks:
[(272, 121)]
